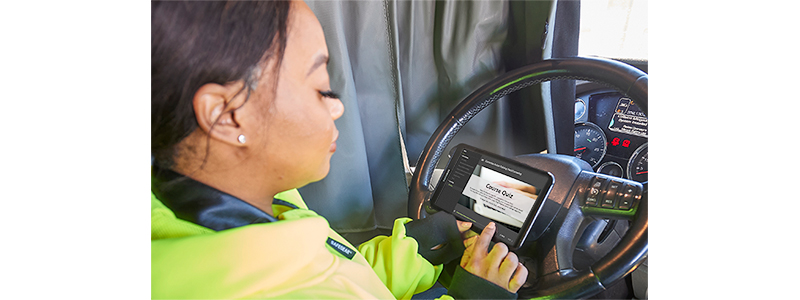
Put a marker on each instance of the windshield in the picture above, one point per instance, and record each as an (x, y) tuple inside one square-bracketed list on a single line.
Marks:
[(614, 29)]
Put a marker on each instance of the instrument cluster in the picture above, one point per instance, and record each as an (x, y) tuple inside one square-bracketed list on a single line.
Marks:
[(611, 134)]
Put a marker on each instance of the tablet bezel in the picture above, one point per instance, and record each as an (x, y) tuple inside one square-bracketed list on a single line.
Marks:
[(481, 221)]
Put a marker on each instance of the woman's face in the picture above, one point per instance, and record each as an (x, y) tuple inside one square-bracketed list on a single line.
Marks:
[(298, 136)]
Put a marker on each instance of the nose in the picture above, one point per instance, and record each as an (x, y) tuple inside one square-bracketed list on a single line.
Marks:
[(336, 108)]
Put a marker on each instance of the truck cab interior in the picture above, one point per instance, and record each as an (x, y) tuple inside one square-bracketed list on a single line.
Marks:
[(511, 77)]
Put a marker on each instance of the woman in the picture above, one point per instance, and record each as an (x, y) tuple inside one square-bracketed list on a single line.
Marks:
[(242, 115)]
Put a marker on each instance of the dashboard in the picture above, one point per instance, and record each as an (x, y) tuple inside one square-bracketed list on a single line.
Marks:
[(611, 133)]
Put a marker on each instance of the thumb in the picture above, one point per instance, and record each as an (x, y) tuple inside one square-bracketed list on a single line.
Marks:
[(463, 226)]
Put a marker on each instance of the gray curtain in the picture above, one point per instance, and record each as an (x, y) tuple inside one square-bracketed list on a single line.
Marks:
[(400, 67)]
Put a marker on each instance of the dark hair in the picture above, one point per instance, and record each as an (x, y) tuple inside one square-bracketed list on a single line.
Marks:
[(195, 43)]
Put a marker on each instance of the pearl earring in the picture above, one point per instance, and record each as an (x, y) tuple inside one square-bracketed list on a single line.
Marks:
[(241, 138)]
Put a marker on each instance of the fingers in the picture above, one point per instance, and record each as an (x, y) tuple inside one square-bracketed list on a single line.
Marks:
[(519, 278), (466, 258), (527, 190), (509, 265), (468, 235), (505, 268), (463, 226), (497, 255), (517, 186), (530, 189), (503, 184), (481, 245), (469, 242), (499, 266), (477, 250)]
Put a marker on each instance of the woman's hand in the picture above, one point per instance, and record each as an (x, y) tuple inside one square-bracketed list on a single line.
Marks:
[(463, 227), (499, 266), (466, 233)]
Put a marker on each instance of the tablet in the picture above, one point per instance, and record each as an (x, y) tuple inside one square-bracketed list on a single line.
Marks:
[(481, 187)]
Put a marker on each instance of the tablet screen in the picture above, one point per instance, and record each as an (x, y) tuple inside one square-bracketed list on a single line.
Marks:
[(481, 187)]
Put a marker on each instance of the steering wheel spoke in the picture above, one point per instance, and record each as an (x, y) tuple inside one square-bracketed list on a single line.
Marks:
[(551, 267), (553, 273), (610, 197)]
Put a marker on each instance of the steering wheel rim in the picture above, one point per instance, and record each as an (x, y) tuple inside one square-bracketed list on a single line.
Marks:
[(632, 249)]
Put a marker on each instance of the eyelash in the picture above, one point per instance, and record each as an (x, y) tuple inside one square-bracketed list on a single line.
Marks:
[(329, 94)]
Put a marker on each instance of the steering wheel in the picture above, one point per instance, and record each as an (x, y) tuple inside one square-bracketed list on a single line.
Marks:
[(566, 213)]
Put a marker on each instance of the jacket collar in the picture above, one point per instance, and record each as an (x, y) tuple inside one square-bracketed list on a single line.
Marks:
[(203, 205)]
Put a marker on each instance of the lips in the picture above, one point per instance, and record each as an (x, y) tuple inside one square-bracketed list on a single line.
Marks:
[(333, 144)]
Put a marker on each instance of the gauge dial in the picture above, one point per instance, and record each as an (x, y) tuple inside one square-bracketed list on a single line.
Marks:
[(610, 168), (637, 164), (580, 109), (590, 143)]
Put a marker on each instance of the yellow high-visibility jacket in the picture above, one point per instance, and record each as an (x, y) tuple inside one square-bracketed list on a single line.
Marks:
[(290, 259), (293, 255)]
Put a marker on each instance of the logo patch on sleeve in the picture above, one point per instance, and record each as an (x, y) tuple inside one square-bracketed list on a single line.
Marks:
[(341, 248)]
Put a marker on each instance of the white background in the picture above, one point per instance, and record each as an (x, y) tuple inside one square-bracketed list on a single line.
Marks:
[(75, 148)]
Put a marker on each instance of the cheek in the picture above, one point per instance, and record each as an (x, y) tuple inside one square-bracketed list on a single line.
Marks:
[(301, 130), (307, 118), (306, 148), (301, 127)]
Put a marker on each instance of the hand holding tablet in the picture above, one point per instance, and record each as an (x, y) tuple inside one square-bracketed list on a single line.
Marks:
[(498, 266)]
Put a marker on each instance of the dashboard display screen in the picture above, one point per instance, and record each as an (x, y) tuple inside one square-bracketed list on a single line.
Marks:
[(628, 119)]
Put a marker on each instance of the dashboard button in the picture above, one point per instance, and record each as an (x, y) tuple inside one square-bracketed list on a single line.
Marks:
[(611, 194), (594, 191), (624, 204), (628, 194)]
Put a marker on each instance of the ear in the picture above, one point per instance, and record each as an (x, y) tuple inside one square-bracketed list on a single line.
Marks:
[(214, 108)]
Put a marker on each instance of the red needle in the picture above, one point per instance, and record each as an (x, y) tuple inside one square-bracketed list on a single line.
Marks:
[(579, 149), (642, 172)]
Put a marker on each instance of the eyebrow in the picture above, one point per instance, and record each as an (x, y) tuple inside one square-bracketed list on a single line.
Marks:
[(318, 61)]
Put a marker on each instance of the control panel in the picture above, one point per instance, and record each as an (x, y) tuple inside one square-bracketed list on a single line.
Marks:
[(610, 195)]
